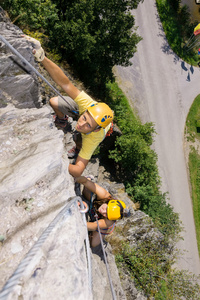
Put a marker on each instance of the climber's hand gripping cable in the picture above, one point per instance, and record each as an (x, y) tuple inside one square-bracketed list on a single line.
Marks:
[(39, 54), (38, 51)]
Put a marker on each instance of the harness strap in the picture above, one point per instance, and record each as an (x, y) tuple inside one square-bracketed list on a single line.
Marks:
[(91, 202), (112, 227), (110, 131)]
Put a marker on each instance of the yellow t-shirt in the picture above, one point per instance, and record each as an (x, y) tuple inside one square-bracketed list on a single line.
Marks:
[(90, 140)]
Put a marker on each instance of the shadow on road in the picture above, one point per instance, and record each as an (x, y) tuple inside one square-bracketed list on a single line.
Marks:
[(183, 66)]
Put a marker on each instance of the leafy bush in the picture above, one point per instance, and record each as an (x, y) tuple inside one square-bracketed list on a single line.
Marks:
[(132, 151), (32, 14), (149, 264)]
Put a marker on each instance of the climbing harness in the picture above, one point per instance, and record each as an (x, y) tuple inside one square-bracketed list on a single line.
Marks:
[(112, 227), (34, 70), (110, 131), (91, 211)]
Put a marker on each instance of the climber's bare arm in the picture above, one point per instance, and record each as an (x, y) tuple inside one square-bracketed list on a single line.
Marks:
[(55, 72), (60, 78), (93, 187), (77, 169)]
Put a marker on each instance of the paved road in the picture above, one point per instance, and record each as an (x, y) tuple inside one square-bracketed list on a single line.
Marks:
[(162, 87)]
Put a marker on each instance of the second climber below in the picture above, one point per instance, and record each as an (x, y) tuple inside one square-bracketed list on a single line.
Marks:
[(95, 118), (104, 208)]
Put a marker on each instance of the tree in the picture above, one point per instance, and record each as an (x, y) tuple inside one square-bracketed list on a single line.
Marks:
[(96, 35), (32, 14), (175, 4)]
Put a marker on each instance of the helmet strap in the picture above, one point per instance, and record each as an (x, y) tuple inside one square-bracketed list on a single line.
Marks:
[(121, 209), (97, 128)]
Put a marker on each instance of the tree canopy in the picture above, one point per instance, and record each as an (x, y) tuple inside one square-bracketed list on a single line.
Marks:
[(96, 35), (92, 35)]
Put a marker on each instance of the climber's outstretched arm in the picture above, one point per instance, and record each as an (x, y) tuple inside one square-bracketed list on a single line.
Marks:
[(60, 78), (55, 72)]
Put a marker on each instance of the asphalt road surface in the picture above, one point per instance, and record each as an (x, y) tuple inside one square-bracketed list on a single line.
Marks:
[(162, 87)]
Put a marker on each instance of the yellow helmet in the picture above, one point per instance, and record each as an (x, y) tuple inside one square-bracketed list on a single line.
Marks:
[(115, 209), (101, 113)]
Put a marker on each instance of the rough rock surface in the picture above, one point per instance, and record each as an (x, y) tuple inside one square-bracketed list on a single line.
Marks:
[(13, 72), (35, 187)]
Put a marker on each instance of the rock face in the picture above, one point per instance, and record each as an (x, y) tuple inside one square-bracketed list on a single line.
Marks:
[(43, 235), (17, 85)]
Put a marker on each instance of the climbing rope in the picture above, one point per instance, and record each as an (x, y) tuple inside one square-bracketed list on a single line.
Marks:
[(17, 275), (33, 69), (109, 277)]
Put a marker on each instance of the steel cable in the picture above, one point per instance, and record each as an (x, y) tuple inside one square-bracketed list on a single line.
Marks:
[(33, 69), (15, 278), (87, 244), (109, 276)]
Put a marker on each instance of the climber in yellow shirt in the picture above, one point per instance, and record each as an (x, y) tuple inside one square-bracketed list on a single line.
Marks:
[(94, 120)]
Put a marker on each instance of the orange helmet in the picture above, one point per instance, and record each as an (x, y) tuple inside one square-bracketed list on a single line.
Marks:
[(115, 209), (101, 113)]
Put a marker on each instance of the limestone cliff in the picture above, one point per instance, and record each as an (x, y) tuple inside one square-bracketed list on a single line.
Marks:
[(35, 187)]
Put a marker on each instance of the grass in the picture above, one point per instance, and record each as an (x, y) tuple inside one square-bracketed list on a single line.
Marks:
[(178, 29), (194, 167), (193, 135), (193, 121)]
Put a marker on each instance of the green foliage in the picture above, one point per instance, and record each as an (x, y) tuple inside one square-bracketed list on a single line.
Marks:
[(91, 35), (155, 205), (149, 264), (193, 136), (178, 28), (175, 4), (194, 167), (32, 14), (137, 164), (145, 263), (95, 36), (192, 125), (132, 151)]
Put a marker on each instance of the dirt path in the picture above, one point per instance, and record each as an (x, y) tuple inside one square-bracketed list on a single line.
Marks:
[(162, 88)]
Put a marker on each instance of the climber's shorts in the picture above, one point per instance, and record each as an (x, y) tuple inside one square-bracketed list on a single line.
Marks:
[(69, 108)]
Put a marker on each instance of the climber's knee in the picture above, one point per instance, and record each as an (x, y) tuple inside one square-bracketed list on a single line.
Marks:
[(54, 102)]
